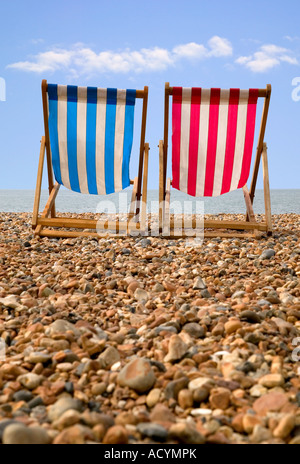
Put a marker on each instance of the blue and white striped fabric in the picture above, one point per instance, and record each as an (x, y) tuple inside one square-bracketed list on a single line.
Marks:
[(91, 133)]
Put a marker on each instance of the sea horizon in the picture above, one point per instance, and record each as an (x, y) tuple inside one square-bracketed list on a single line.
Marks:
[(283, 201)]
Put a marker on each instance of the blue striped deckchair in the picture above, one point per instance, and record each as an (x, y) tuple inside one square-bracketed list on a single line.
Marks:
[(88, 142)]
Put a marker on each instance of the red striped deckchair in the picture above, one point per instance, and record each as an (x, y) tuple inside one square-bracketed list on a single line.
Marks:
[(212, 143), (88, 142)]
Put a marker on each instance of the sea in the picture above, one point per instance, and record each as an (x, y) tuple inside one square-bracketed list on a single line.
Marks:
[(282, 201)]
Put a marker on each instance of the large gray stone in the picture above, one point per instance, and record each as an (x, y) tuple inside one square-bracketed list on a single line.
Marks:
[(18, 434), (138, 375), (61, 406), (109, 357), (155, 431), (267, 254), (61, 326)]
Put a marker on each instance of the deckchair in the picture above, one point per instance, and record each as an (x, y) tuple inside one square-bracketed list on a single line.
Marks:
[(212, 143), (88, 142)]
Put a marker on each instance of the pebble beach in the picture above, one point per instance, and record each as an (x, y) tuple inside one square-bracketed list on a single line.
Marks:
[(148, 340)]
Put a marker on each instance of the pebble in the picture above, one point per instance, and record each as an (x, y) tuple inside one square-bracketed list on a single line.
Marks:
[(213, 327), (109, 357), (257, 391), (185, 399), (212, 426), (116, 435), (249, 422), (141, 295), (205, 293), (250, 316), (267, 254), (99, 388), (272, 380), (37, 357), (18, 434), (4, 424), (200, 382), (137, 375), (175, 386), (23, 395), (10, 301), (295, 441), (232, 326), (67, 419), (162, 414), (75, 435), (186, 434), (30, 381), (35, 402), (218, 330), (260, 434), (271, 402), (194, 330), (199, 284), (133, 286), (220, 398), (201, 412), (153, 397), (169, 287), (200, 394), (144, 243), (154, 431), (62, 326), (158, 288), (61, 406), (177, 349), (285, 426)]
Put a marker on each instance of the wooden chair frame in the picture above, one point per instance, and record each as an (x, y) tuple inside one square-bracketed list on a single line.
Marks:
[(250, 226), (136, 219)]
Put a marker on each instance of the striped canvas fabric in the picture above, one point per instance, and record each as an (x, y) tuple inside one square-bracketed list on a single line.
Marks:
[(212, 142), (91, 133)]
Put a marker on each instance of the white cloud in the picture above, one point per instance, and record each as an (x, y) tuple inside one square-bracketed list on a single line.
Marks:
[(44, 62), (37, 41), (220, 47), (267, 57), (291, 39), (81, 60), (217, 47), (190, 50)]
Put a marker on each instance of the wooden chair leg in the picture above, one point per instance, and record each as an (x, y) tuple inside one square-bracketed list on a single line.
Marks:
[(249, 206), (37, 197), (267, 189), (145, 189), (49, 207), (161, 186), (166, 212), (132, 209)]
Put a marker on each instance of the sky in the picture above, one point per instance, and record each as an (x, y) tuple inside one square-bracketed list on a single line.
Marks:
[(133, 43)]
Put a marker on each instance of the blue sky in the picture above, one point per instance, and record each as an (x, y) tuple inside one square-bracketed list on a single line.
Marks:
[(129, 44)]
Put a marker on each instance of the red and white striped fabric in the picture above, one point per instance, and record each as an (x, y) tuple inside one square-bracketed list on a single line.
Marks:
[(212, 142)]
